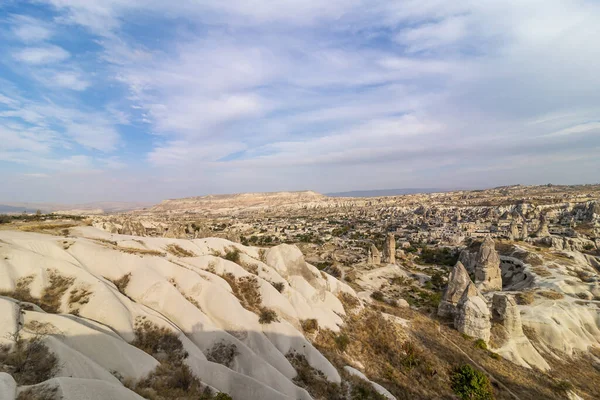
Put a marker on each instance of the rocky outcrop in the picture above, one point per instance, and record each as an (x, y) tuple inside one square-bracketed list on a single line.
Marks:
[(508, 335), (457, 284), (524, 232), (542, 230), (505, 312), (134, 228), (472, 315), (389, 249), (488, 276), (514, 231), (374, 257)]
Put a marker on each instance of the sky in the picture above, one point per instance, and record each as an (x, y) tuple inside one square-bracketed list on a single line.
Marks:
[(130, 100)]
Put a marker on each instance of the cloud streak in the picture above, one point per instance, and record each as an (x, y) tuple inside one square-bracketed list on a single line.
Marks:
[(304, 94)]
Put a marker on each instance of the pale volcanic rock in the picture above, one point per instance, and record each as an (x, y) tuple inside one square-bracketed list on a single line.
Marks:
[(473, 316), (374, 257), (488, 276), (514, 231), (516, 347), (457, 284), (8, 387), (389, 249), (173, 292)]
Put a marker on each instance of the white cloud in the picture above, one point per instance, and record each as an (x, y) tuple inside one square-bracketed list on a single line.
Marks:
[(30, 29), (42, 55), (68, 79)]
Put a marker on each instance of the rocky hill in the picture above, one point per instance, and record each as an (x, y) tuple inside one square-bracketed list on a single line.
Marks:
[(234, 202)]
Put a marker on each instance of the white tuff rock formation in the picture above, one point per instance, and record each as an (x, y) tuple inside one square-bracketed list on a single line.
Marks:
[(389, 249), (487, 267), (457, 284), (514, 346), (374, 257), (473, 316)]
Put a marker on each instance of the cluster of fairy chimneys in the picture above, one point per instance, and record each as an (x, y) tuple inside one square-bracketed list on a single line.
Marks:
[(463, 300), (542, 230), (389, 252)]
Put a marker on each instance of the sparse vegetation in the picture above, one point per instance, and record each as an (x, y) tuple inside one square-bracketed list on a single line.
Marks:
[(550, 294), (377, 295), (342, 341), (279, 286), (52, 295), (43, 392), (524, 298), (348, 301), (480, 344), (179, 251), (29, 361), (232, 254), (122, 283), (266, 316), (438, 256), (309, 325)]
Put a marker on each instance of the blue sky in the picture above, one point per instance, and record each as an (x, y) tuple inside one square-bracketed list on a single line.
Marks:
[(146, 100)]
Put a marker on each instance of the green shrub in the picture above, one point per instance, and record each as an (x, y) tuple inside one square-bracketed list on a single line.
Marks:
[(481, 344), (377, 295), (309, 325), (232, 254), (342, 341), (267, 316), (471, 384)]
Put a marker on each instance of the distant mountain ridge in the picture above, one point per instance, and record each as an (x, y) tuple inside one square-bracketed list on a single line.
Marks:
[(386, 192)]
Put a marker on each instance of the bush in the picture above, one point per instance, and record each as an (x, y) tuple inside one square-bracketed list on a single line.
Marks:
[(279, 286), (122, 283), (267, 316), (471, 384), (309, 325), (480, 344), (377, 295), (342, 341), (160, 342), (232, 254), (223, 353), (524, 298), (30, 361)]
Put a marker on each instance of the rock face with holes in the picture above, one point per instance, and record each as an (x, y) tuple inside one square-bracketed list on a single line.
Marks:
[(472, 314), (488, 276), (458, 281), (389, 249)]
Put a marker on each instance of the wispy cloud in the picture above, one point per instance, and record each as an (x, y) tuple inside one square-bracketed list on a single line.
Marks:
[(304, 94), (42, 55)]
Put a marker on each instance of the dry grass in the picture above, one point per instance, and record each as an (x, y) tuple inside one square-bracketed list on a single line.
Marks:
[(43, 392), (246, 289), (541, 271), (309, 325), (550, 294), (122, 283), (78, 297), (172, 379), (280, 286), (524, 298), (140, 252), (348, 301), (21, 291), (179, 251), (47, 228), (51, 296), (315, 382)]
